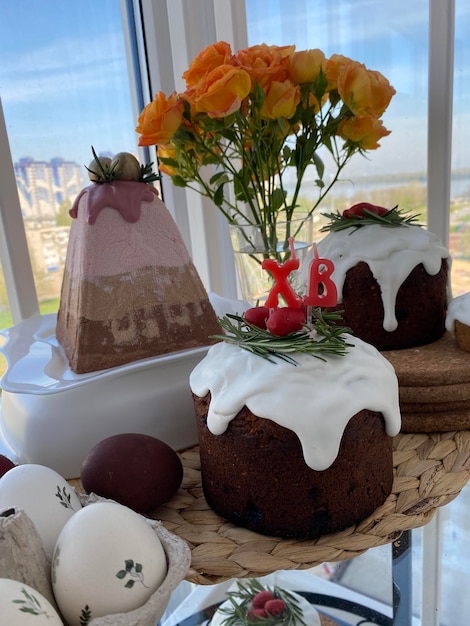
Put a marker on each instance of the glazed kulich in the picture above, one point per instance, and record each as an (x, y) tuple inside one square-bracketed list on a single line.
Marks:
[(392, 283), (296, 450), (130, 290), (458, 320)]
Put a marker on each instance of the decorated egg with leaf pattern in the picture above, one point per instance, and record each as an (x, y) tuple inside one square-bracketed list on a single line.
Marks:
[(21, 605), (44, 495), (107, 560)]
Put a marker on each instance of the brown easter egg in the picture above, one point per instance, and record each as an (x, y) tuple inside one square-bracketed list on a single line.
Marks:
[(136, 470)]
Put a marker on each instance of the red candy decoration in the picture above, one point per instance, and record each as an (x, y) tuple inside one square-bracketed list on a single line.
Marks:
[(275, 607), (257, 316), (286, 320), (260, 599), (254, 615), (358, 210)]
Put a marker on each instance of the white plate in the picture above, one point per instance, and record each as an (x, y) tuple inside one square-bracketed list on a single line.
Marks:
[(53, 417)]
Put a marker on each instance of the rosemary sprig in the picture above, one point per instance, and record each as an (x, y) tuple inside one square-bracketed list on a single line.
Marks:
[(391, 219), (237, 612), (147, 175), (107, 173), (320, 337)]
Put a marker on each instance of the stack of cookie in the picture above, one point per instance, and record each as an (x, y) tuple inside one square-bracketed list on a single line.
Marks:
[(434, 382)]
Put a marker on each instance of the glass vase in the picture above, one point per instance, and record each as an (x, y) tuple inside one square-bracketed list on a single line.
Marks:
[(253, 243)]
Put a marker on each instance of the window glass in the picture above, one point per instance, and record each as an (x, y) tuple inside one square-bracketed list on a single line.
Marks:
[(460, 189), (391, 38), (5, 317), (65, 87)]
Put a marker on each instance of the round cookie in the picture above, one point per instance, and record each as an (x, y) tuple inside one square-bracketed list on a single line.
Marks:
[(434, 386)]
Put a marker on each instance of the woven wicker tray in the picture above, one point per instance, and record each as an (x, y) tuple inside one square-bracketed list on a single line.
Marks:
[(430, 470)]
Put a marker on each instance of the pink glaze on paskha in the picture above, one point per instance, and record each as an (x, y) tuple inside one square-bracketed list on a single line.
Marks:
[(121, 227)]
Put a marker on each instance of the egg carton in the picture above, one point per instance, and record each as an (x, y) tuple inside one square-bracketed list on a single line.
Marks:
[(22, 558)]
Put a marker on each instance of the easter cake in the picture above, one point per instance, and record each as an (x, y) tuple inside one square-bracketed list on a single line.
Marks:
[(295, 431), (458, 320), (392, 276), (130, 290)]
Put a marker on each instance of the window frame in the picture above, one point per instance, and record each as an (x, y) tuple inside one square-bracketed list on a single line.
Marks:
[(162, 37)]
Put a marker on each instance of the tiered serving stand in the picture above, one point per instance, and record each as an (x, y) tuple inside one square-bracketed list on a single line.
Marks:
[(431, 467), (430, 470)]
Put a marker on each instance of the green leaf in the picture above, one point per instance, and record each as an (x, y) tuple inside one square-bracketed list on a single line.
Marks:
[(219, 177), (121, 574), (129, 584), (178, 181), (278, 199), (320, 166), (138, 567), (218, 198)]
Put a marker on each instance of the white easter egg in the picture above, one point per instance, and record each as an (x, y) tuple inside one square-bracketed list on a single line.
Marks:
[(45, 497), (107, 560), (21, 605)]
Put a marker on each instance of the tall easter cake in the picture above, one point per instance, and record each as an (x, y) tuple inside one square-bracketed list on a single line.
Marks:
[(130, 290), (295, 442), (392, 276)]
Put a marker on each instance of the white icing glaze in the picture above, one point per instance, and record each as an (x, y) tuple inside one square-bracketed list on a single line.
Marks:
[(390, 253), (315, 398), (458, 309)]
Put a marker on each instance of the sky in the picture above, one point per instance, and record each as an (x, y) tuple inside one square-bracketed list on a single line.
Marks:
[(64, 82), (63, 79)]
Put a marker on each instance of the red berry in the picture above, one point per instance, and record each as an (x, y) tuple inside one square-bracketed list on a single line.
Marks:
[(257, 316), (286, 320), (260, 599), (358, 210), (275, 607), (254, 614)]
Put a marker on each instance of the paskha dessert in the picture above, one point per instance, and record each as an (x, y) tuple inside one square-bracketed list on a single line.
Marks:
[(458, 320), (295, 431), (392, 276), (249, 602), (130, 290)]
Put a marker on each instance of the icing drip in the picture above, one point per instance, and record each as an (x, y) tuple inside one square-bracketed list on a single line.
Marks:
[(124, 196), (458, 309), (390, 253), (315, 399)]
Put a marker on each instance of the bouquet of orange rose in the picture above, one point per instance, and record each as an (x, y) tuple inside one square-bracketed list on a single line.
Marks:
[(246, 118)]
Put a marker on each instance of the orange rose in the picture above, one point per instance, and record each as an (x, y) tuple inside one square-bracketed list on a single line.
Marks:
[(333, 67), (363, 131), (281, 100), (305, 66), (222, 91), (208, 59), (364, 91), (166, 152), (265, 63), (160, 120)]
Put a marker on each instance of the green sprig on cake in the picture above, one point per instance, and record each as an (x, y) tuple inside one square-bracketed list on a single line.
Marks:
[(252, 604), (367, 214), (284, 331)]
